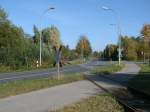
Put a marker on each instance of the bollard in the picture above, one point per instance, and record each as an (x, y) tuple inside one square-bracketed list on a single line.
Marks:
[(37, 64)]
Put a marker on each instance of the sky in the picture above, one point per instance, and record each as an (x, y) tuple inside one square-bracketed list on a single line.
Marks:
[(74, 18)]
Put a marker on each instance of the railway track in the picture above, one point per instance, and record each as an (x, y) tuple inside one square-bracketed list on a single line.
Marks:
[(127, 99), (134, 104)]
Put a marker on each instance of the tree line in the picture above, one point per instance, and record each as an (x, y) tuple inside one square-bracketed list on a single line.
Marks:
[(19, 49), (133, 48)]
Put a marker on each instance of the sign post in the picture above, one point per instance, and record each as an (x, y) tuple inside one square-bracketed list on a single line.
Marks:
[(58, 60)]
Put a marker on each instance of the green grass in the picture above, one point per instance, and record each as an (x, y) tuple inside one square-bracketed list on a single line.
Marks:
[(108, 69), (77, 61), (24, 86), (145, 68), (142, 81), (99, 103), (7, 69)]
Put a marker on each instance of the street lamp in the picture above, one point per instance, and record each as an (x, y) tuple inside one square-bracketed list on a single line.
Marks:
[(119, 31), (50, 8), (105, 8), (147, 53)]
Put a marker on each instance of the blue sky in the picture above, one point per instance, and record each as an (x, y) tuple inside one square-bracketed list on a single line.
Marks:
[(81, 17)]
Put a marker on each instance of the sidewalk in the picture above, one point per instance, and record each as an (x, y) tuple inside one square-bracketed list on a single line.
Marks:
[(109, 81), (50, 98), (130, 68), (129, 71)]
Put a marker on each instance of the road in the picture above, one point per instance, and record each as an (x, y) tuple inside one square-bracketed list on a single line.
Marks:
[(7, 77)]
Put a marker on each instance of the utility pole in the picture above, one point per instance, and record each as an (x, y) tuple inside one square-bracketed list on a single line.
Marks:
[(50, 8), (119, 31), (146, 54)]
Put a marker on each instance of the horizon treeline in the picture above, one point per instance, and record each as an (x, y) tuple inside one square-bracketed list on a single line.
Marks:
[(133, 48)]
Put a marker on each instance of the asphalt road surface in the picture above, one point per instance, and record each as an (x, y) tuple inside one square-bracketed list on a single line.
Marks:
[(7, 77)]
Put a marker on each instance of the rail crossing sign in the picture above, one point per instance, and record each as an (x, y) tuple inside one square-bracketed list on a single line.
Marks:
[(58, 56), (58, 60)]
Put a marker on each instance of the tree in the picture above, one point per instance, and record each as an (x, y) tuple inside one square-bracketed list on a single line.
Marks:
[(130, 48), (51, 37), (83, 46), (110, 52), (65, 52), (3, 14), (17, 48), (11, 44), (146, 40), (97, 54), (68, 54), (36, 36), (146, 34)]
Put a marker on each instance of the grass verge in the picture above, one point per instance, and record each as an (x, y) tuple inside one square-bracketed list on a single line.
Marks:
[(99, 103), (7, 69), (24, 86), (75, 62), (108, 69), (145, 68), (142, 81)]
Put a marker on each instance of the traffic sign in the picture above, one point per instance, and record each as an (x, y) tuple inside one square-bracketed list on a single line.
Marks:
[(58, 59)]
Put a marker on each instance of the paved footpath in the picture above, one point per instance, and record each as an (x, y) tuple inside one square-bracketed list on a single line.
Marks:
[(50, 98), (130, 68), (109, 81), (128, 72)]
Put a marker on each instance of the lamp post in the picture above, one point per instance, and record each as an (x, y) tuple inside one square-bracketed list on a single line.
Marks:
[(50, 8), (147, 53), (143, 54), (119, 31)]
